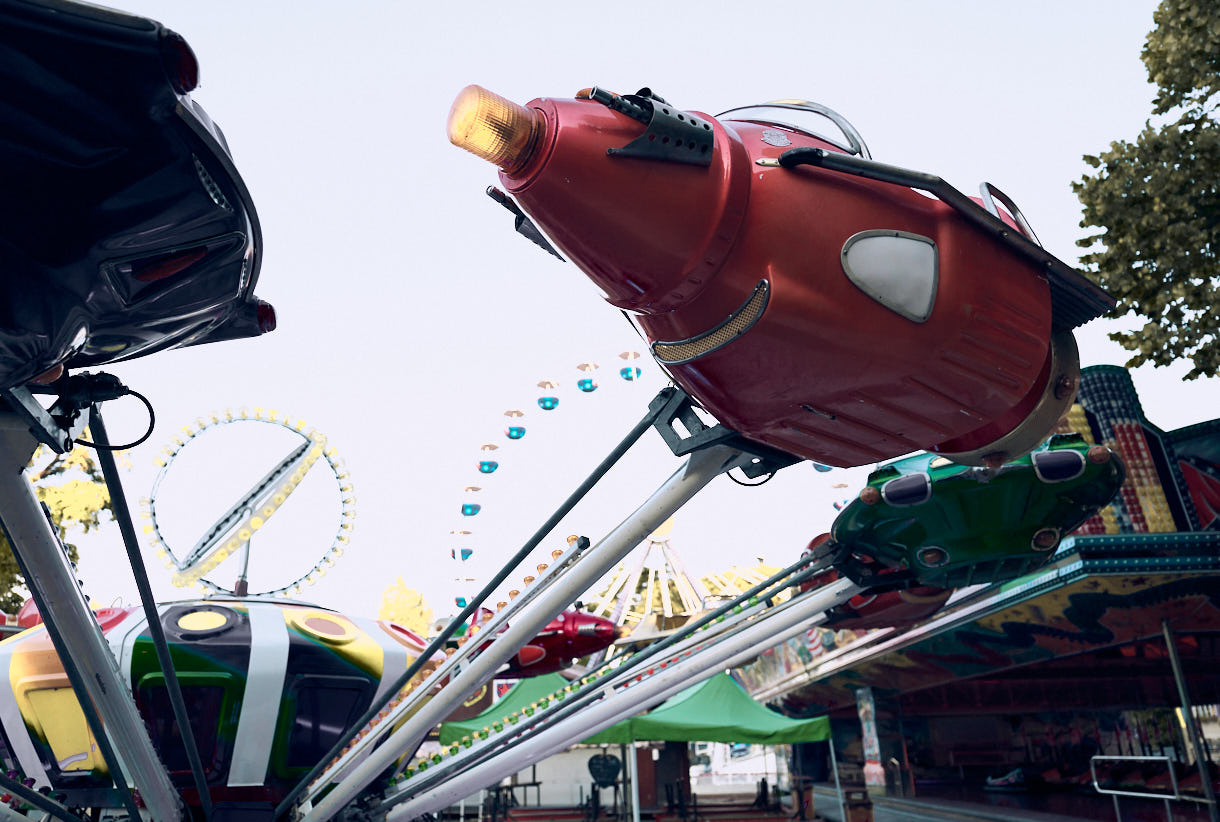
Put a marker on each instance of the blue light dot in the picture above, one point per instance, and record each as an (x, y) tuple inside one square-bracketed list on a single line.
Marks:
[(587, 385), (488, 466), (469, 509), (548, 403), (629, 373), (515, 432)]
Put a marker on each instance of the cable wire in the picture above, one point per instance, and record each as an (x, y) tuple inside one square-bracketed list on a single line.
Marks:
[(152, 423)]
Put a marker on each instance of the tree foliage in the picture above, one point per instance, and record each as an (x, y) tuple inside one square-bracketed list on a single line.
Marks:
[(1157, 200), (75, 492)]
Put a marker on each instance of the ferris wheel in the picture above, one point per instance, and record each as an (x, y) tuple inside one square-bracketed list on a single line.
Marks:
[(229, 538), (467, 537)]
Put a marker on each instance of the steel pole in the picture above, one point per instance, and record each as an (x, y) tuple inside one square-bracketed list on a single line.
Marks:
[(705, 631), (122, 515), (834, 766), (766, 632), (323, 770), (700, 469), (633, 772), (77, 638), (1188, 716)]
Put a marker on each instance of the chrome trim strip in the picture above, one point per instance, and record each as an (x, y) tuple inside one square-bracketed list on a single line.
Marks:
[(260, 705), (763, 290), (394, 659), (122, 639)]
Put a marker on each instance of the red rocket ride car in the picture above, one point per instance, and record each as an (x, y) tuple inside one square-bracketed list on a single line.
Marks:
[(565, 639), (807, 296)]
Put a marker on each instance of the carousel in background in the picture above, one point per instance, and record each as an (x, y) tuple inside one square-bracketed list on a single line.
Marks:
[(651, 593)]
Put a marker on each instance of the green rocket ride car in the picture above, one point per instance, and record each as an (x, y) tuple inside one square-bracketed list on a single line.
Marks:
[(951, 525)]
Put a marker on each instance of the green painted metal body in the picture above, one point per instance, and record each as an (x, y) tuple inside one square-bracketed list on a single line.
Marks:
[(984, 520)]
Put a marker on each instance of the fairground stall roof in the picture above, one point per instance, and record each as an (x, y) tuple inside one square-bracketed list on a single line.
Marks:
[(1084, 631)]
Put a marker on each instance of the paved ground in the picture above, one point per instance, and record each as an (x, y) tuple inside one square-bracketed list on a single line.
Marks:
[(937, 809)]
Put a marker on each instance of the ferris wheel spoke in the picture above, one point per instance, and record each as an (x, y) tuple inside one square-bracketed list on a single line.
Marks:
[(233, 531), (251, 500)]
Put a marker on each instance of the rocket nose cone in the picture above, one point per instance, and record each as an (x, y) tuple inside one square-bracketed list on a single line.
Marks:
[(494, 128)]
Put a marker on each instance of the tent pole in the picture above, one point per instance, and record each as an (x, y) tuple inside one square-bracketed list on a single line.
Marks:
[(633, 773), (1188, 718), (834, 767)]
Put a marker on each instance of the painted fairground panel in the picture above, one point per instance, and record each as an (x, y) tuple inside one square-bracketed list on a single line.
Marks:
[(1151, 554), (1091, 613)]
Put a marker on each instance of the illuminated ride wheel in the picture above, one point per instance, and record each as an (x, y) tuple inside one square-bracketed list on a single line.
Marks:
[(230, 535)]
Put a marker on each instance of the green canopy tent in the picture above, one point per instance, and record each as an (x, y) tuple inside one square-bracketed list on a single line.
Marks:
[(519, 697), (715, 710)]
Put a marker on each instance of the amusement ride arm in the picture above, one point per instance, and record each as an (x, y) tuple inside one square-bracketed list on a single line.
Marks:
[(700, 468), (734, 650)]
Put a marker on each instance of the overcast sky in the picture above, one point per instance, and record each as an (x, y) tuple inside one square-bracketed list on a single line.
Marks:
[(411, 316)]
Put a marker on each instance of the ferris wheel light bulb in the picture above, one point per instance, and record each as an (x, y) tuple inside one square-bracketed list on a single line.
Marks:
[(268, 510), (256, 523), (244, 535), (148, 529), (272, 414)]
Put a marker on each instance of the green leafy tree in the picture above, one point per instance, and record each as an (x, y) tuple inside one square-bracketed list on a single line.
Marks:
[(1157, 200), (75, 492)]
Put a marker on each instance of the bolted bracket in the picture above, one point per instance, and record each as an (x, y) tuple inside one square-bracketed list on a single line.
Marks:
[(674, 408), (672, 136)]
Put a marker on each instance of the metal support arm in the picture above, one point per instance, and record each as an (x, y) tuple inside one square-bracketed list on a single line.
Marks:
[(78, 640)]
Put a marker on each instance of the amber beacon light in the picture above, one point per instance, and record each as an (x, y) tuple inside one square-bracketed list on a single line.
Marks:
[(496, 129)]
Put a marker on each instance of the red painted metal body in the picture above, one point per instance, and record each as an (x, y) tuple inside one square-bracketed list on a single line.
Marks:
[(888, 609), (566, 638), (827, 372)]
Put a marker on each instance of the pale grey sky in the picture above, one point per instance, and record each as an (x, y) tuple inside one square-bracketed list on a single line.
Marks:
[(411, 316)]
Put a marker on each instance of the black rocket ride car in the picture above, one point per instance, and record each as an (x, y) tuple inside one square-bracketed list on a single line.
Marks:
[(124, 226)]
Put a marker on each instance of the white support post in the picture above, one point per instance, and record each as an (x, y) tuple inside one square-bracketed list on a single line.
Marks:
[(834, 766), (700, 468), (765, 632), (633, 772)]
